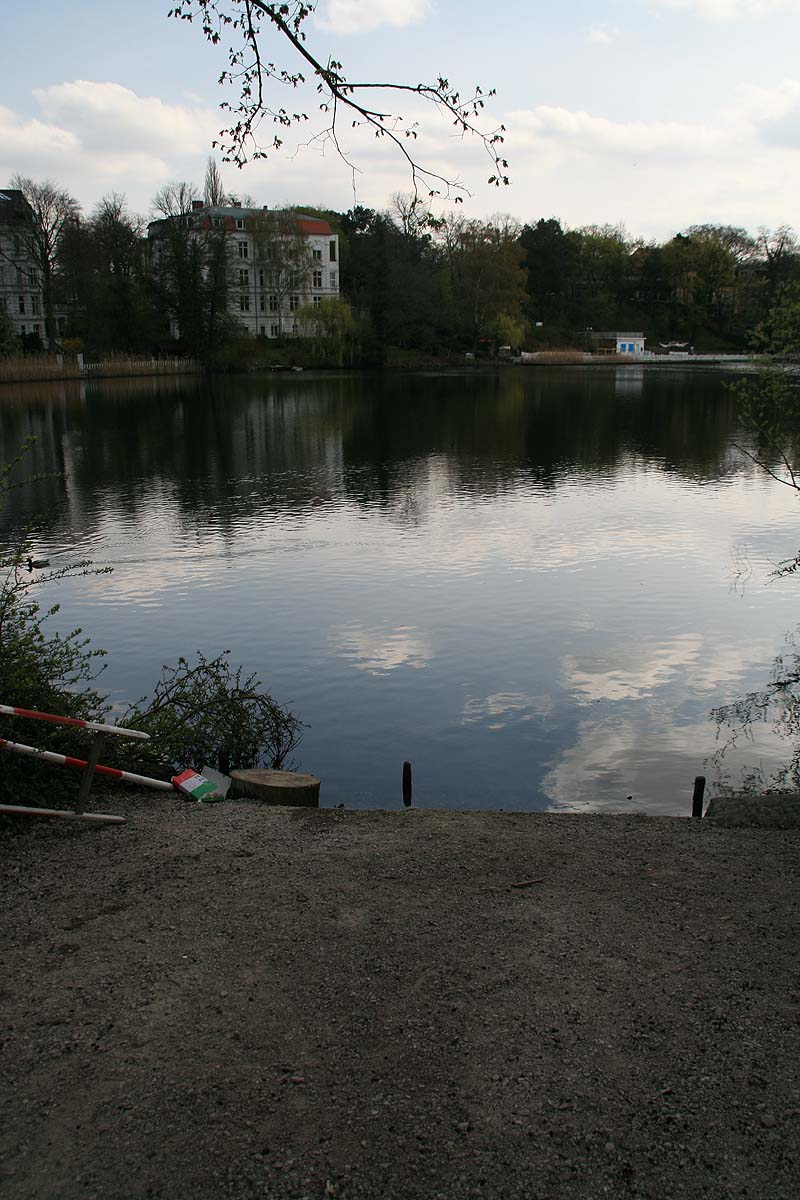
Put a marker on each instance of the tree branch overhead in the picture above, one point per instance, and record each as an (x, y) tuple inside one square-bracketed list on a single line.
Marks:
[(243, 27)]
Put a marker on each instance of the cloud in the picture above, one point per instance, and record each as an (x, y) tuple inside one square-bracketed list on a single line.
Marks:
[(94, 136), (772, 113), (603, 35), (582, 131), (732, 10), (107, 116), (362, 16), (739, 165), (34, 140)]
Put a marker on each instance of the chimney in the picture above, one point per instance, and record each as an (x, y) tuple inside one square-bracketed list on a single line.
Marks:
[(197, 205)]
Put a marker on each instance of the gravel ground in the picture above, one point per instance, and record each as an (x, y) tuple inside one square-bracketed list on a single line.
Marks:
[(231, 1002)]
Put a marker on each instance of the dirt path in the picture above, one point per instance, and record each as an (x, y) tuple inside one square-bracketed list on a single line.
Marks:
[(237, 1002)]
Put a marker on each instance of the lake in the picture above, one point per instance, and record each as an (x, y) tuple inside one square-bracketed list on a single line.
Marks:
[(533, 584)]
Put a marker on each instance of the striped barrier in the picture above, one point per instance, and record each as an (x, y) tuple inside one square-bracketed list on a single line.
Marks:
[(80, 764), (92, 726), (89, 767), (189, 783)]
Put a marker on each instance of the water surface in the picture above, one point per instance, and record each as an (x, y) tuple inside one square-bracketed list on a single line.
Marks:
[(526, 583)]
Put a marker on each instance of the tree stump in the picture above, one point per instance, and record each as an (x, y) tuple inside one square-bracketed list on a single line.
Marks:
[(277, 787)]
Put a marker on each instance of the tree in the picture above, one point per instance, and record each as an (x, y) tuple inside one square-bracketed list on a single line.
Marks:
[(191, 269), (770, 407), (331, 328), (50, 672), (53, 209), (101, 270), (553, 257), (284, 257), (213, 188), (251, 27), (485, 262), (8, 336), (780, 255)]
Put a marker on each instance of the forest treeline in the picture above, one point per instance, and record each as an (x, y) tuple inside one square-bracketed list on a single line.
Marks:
[(416, 281)]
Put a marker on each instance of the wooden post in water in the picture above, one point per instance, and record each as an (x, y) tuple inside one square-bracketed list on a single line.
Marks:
[(407, 784), (697, 796)]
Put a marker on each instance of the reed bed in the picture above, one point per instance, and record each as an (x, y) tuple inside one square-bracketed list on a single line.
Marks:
[(29, 367), (558, 357), (26, 368), (126, 364)]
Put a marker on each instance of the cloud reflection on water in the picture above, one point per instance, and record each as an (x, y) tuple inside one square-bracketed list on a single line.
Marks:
[(505, 708), (381, 650)]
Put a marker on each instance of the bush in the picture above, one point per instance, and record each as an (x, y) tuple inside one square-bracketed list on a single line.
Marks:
[(201, 713), (206, 713), (52, 673)]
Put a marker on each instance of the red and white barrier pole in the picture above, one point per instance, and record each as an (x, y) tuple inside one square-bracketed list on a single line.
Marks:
[(17, 810), (93, 726), (64, 760)]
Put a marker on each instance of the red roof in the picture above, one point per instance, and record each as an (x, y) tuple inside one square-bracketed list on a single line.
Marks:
[(313, 225)]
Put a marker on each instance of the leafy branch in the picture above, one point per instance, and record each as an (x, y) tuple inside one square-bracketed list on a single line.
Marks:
[(207, 712), (243, 23)]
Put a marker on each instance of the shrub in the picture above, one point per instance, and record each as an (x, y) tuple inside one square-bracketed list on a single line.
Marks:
[(209, 713), (199, 713)]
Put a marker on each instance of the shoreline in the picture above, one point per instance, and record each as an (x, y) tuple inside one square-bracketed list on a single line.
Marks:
[(166, 370)]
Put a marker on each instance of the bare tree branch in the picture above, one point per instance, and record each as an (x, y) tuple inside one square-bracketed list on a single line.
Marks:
[(241, 21)]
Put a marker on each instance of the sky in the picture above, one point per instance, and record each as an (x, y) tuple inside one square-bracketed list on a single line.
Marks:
[(653, 114)]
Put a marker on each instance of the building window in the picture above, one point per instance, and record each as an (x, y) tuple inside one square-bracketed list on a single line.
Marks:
[(262, 304), (261, 278), (17, 250), (20, 277), (22, 305), (317, 300), (317, 280), (263, 331), (219, 222), (244, 304), (273, 331), (35, 304), (244, 277), (36, 329), (242, 249), (23, 328), (2, 304), (333, 251), (294, 329), (294, 303), (273, 304), (333, 279), (316, 255), (239, 223)]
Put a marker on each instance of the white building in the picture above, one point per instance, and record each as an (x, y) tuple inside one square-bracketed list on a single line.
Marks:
[(614, 342), (20, 285), (264, 292), (630, 343)]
